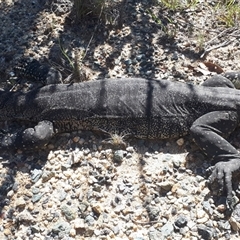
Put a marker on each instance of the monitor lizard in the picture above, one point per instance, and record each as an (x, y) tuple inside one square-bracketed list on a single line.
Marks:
[(143, 108)]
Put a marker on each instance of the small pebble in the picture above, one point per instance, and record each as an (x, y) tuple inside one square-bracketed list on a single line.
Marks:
[(181, 221), (79, 223), (76, 139), (20, 202), (180, 141), (7, 232)]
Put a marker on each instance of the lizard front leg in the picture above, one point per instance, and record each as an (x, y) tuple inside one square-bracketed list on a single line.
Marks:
[(30, 137), (228, 79), (218, 81), (209, 132)]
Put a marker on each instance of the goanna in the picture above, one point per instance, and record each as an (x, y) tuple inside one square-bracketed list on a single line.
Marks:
[(143, 108)]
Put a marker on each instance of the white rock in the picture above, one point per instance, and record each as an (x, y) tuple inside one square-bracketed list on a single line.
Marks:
[(203, 220), (200, 213), (25, 216), (10, 193), (51, 155), (72, 232), (79, 223), (20, 202), (180, 141), (130, 149)]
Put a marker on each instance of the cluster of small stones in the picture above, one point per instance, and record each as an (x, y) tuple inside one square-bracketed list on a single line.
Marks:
[(93, 192)]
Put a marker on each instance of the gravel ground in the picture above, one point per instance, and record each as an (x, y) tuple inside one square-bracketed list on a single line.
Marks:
[(83, 185)]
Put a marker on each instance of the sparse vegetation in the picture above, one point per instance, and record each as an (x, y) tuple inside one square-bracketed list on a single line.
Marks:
[(166, 21), (108, 11), (200, 40), (64, 53), (89, 7), (228, 12), (116, 140), (176, 5), (75, 64)]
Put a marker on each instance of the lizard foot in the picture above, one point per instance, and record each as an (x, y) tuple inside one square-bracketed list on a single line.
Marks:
[(221, 177), (29, 138)]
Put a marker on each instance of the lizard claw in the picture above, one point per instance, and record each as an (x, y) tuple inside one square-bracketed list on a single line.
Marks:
[(209, 171), (221, 178)]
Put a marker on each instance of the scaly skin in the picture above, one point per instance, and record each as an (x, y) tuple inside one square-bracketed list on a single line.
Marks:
[(143, 108)]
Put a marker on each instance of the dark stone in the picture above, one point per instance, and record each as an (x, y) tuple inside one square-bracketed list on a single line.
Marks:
[(140, 57), (206, 233), (207, 207), (36, 175), (37, 197), (47, 175), (117, 199), (61, 227), (34, 229), (128, 62), (174, 211), (174, 56), (118, 156), (153, 213), (69, 212), (181, 221)]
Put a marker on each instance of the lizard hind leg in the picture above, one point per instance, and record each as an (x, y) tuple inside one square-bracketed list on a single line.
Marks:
[(209, 132), (29, 138)]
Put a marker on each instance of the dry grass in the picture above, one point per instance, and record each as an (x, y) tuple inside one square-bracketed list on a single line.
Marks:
[(107, 11), (116, 140), (228, 13)]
